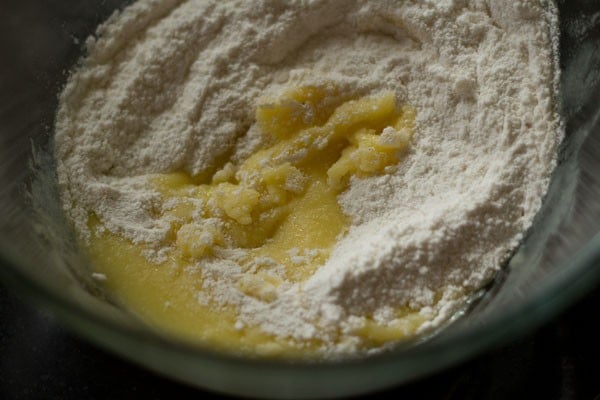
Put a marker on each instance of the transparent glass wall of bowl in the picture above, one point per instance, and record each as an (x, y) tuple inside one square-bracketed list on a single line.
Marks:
[(40, 42)]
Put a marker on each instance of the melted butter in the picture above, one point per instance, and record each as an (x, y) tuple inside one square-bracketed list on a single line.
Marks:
[(278, 205), (166, 297)]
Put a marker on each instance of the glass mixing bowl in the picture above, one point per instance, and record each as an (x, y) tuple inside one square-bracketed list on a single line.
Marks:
[(558, 262)]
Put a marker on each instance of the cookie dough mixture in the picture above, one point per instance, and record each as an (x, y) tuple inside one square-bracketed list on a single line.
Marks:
[(307, 177)]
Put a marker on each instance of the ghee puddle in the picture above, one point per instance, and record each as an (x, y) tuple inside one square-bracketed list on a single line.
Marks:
[(279, 206)]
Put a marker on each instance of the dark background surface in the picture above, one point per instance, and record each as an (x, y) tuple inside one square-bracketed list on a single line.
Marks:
[(41, 360)]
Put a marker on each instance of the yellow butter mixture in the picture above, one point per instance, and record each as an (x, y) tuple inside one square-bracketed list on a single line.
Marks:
[(276, 207)]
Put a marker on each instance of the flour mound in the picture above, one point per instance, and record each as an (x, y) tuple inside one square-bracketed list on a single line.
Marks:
[(172, 85)]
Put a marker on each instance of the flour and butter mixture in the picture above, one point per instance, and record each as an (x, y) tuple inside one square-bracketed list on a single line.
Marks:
[(307, 177)]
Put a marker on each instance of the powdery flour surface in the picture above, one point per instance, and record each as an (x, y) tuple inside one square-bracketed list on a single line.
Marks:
[(172, 85)]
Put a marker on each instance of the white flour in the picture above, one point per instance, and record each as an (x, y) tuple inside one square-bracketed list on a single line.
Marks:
[(172, 85)]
